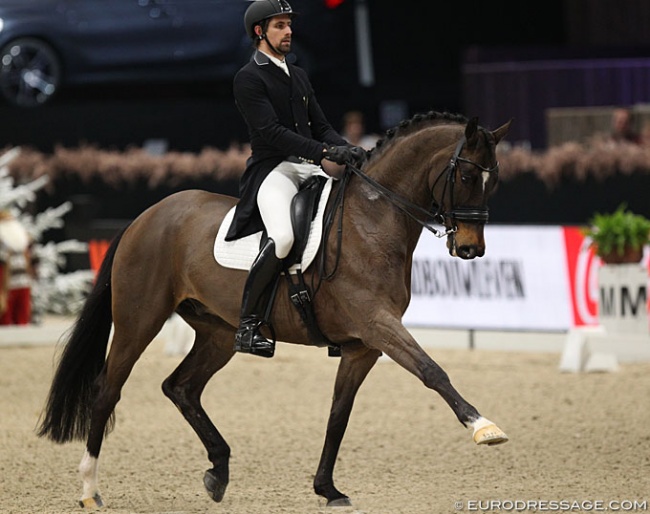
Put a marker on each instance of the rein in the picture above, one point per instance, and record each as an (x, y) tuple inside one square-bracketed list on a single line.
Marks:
[(404, 205), (468, 214)]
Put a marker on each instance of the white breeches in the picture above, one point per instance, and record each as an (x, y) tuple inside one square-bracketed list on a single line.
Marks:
[(274, 201)]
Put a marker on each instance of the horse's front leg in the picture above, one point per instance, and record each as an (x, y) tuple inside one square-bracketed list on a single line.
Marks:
[(389, 336), (356, 362)]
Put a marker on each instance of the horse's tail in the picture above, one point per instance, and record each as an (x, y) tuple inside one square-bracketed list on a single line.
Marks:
[(69, 405)]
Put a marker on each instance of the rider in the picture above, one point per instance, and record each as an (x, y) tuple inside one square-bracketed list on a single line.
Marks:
[(289, 136)]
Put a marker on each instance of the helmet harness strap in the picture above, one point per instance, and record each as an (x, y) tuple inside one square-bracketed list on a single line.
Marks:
[(263, 25)]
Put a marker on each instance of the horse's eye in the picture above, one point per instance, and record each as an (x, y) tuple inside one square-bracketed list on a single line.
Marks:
[(466, 179)]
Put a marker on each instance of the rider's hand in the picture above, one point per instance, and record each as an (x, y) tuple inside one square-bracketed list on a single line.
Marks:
[(338, 154), (332, 169), (360, 155)]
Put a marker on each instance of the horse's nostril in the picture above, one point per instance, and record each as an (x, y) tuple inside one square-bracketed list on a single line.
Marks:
[(467, 252)]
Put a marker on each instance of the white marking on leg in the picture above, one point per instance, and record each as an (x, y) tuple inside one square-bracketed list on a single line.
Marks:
[(479, 423), (88, 471)]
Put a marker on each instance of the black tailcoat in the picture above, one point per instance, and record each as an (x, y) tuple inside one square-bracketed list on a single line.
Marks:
[(284, 120)]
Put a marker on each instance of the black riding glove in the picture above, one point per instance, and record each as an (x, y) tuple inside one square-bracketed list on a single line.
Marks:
[(338, 154), (360, 155)]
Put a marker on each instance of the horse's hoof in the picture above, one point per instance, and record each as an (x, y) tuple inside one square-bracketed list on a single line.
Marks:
[(216, 488), (490, 435), (340, 502), (92, 503)]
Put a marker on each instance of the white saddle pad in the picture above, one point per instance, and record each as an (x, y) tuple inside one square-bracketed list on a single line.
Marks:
[(240, 253)]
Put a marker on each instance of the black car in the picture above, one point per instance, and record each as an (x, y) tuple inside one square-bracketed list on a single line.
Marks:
[(46, 44)]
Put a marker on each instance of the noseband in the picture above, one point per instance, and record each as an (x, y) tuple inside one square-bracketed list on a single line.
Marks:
[(437, 212), (460, 213)]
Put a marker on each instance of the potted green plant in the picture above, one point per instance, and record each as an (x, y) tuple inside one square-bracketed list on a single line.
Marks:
[(619, 237)]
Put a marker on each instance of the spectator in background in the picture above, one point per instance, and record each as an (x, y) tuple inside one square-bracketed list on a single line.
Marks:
[(354, 131), (622, 130), (17, 272), (644, 135)]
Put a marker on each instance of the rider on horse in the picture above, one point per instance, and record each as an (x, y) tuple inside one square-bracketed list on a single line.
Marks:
[(289, 136)]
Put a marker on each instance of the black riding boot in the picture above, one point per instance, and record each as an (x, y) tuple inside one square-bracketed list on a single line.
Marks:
[(257, 295)]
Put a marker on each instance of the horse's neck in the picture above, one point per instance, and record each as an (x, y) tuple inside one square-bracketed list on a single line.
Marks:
[(405, 167), (375, 212)]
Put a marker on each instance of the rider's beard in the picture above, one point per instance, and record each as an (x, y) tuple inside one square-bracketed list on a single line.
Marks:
[(284, 47)]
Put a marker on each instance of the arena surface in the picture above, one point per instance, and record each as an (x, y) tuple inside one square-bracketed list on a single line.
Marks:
[(573, 438)]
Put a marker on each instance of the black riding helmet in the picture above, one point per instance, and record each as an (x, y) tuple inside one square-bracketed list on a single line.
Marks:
[(261, 10)]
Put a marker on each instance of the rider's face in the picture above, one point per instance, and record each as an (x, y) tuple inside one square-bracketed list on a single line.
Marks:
[(278, 33)]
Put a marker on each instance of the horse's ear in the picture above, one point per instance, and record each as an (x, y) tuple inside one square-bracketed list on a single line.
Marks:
[(471, 131), (501, 132)]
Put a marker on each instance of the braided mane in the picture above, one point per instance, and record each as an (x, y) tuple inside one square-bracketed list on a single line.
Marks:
[(416, 123)]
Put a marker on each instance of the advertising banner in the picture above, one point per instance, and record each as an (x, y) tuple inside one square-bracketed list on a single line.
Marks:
[(531, 278)]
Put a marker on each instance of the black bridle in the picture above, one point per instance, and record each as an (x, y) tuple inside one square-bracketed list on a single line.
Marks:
[(436, 213)]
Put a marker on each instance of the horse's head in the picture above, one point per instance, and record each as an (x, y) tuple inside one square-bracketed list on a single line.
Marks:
[(438, 158), (462, 190)]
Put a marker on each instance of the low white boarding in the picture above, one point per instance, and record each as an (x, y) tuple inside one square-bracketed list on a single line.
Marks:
[(240, 253)]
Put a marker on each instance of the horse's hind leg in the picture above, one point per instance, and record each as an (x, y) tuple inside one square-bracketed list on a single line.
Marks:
[(126, 347), (356, 361), (211, 351)]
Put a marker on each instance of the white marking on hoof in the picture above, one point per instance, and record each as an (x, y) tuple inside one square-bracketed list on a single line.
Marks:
[(486, 432), (92, 503), (88, 470)]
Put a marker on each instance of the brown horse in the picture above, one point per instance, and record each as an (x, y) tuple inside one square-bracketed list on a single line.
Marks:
[(163, 262)]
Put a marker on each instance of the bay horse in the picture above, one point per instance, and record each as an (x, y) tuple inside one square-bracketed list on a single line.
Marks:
[(438, 167)]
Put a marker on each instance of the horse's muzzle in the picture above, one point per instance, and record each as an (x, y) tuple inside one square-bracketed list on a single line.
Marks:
[(469, 251), (464, 251)]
